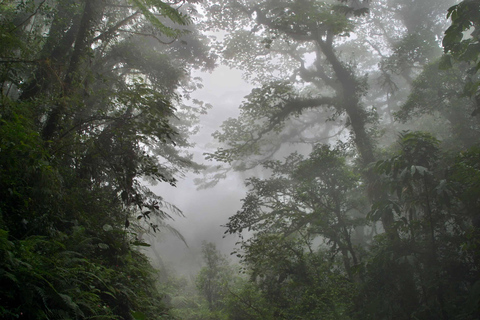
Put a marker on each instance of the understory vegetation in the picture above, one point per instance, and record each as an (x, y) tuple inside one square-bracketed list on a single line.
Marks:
[(361, 140)]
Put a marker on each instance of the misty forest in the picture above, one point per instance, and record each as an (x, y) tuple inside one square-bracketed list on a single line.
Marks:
[(341, 171)]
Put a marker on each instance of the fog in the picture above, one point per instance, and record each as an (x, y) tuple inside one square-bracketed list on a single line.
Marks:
[(206, 210), (240, 159)]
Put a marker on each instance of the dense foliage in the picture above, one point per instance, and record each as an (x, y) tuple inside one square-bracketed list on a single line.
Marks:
[(363, 120), (90, 108), (375, 213)]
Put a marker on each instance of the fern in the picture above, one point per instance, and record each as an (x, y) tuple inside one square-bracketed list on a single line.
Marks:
[(166, 11)]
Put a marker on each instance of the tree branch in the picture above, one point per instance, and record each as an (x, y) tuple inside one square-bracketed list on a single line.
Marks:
[(120, 24), (149, 35), (28, 18)]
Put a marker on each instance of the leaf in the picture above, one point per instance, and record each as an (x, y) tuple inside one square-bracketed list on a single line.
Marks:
[(103, 246), (167, 11), (451, 11), (141, 244), (445, 62), (107, 227), (138, 315), (421, 170)]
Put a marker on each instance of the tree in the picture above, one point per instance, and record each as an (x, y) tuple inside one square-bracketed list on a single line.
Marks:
[(436, 93), (90, 107), (465, 19), (297, 53), (424, 260), (213, 279), (310, 89), (290, 30), (115, 122), (315, 197), (303, 219)]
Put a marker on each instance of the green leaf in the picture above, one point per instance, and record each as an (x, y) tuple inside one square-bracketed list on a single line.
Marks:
[(138, 315), (412, 170), (103, 246), (445, 62), (140, 243), (107, 227), (166, 11)]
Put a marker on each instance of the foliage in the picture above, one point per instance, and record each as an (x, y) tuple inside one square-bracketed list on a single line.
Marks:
[(295, 279), (208, 294), (90, 107), (437, 93), (213, 279), (311, 252), (351, 226), (361, 228), (462, 42), (302, 218), (281, 39)]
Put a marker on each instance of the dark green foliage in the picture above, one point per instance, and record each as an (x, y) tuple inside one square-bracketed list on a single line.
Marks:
[(66, 253), (438, 93), (87, 110), (303, 255), (465, 18), (356, 231), (313, 253), (425, 268), (91, 106), (42, 278), (293, 279), (213, 278)]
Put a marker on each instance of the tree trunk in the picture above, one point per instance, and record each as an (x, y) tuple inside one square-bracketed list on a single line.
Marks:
[(350, 93), (54, 53), (92, 14)]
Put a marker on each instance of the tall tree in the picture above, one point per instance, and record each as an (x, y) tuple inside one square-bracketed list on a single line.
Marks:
[(314, 61), (91, 107), (212, 280), (315, 197), (465, 21), (299, 43)]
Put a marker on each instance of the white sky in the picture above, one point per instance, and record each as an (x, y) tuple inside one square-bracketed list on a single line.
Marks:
[(205, 210)]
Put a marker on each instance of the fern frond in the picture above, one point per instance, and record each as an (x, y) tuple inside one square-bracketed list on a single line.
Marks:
[(167, 31), (71, 304)]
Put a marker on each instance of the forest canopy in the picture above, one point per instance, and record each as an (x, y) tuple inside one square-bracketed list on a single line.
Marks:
[(94, 102), (359, 140), (364, 119)]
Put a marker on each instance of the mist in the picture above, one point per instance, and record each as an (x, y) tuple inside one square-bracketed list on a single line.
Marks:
[(239, 159)]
